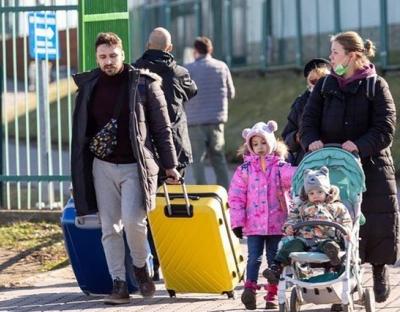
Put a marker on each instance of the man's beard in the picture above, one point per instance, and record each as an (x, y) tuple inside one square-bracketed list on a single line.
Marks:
[(111, 70)]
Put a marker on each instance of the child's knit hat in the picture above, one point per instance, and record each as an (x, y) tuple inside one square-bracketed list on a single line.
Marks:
[(317, 180), (314, 63), (264, 130)]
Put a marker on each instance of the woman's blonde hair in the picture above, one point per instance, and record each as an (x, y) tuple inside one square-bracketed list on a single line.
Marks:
[(352, 42), (281, 149), (317, 73), (320, 71)]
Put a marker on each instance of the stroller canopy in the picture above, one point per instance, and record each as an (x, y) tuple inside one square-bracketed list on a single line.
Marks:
[(345, 172)]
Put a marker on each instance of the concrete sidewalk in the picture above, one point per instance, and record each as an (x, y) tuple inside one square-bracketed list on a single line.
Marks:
[(58, 291)]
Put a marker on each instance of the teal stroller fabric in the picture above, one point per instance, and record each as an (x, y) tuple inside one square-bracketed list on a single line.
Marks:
[(345, 172)]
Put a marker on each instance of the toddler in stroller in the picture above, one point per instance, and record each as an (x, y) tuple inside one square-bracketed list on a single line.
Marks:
[(313, 261), (320, 201)]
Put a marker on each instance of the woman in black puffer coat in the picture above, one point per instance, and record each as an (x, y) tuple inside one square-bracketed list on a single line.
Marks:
[(354, 107)]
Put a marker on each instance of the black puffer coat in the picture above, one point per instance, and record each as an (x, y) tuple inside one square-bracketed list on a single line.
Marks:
[(149, 124), (339, 115), (178, 88), (289, 133)]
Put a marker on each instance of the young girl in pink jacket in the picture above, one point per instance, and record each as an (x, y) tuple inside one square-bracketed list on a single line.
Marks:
[(258, 200)]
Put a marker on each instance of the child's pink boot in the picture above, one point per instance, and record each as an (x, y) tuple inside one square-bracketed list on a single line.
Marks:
[(249, 295), (271, 297)]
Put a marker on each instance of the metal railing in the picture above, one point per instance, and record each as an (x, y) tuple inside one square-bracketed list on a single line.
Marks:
[(36, 104), (270, 34)]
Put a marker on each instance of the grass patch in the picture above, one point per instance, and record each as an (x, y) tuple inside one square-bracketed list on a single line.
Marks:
[(41, 243), (260, 99), (270, 97)]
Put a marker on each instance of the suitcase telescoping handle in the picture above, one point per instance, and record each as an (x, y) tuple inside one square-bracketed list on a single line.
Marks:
[(185, 196)]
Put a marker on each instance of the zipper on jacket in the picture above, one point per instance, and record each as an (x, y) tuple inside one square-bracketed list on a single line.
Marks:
[(134, 130)]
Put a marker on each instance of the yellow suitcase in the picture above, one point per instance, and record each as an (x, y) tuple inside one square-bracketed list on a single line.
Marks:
[(197, 250)]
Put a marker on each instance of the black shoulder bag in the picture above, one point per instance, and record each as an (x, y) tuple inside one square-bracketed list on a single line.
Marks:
[(104, 142)]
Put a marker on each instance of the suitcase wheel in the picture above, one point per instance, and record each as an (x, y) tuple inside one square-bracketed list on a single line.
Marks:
[(230, 294), (172, 293)]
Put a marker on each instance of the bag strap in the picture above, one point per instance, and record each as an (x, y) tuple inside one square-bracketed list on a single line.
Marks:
[(323, 85), (371, 81), (281, 192), (141, 90)]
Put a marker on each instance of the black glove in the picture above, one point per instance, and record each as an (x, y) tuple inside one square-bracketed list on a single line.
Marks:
[(238, 232)]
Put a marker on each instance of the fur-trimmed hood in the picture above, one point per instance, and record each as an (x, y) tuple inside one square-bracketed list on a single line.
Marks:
[(82, 78)]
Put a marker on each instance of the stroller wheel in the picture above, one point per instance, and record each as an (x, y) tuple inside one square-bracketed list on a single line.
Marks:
[(294, 301), (336, 307), (283, 307), (348, 308), (369, 300)]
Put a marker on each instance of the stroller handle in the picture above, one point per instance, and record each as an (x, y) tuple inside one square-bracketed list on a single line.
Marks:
[(338, 226), (337, 145)]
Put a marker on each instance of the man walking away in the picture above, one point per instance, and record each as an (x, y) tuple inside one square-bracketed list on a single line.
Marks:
[(177, 85), (178, 88), (208, 111)]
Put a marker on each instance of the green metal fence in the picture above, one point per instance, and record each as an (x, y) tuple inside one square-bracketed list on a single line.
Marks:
[(100, 16), (37, 95), (38, 92), (36, 104), (269, 34)]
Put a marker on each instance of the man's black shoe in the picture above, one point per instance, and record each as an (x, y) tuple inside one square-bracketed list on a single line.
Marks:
[(119, 293), (146, 284)]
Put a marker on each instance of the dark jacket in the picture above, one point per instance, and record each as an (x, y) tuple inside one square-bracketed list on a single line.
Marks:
[(296, 152), (178, 88), (340, 115), (149, 122)]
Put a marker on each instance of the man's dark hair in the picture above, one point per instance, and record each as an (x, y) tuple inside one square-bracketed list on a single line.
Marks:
[(108, 38), (203, 45)]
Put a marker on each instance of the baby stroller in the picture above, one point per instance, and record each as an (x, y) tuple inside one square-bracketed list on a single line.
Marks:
[(313, 280)]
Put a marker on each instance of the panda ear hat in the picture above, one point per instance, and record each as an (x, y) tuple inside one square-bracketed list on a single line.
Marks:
[(317, 180), (264, 130)]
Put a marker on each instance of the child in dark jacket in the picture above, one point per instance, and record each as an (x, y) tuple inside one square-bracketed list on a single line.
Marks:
[(313, 71)]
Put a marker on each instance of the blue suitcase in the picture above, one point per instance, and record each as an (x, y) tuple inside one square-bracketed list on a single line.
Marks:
[(83, 243)]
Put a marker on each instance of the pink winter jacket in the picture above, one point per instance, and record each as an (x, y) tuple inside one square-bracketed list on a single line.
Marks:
[(259, 200)]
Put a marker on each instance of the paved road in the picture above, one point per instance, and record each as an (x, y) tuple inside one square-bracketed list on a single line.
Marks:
[(58, 291)]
